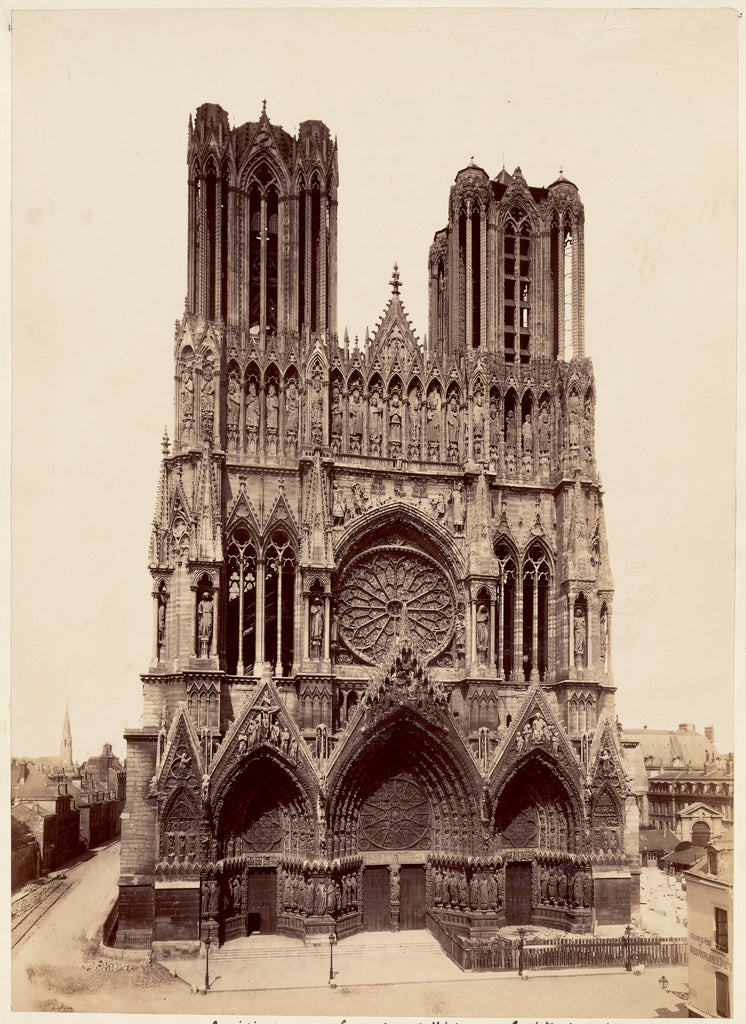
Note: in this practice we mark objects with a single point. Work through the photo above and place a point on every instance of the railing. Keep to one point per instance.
(498, 954)
(109, 935)
(134, 938)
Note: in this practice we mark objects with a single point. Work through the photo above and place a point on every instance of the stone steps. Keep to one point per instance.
(372, 943)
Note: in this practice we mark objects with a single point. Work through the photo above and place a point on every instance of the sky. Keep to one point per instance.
(639, 110)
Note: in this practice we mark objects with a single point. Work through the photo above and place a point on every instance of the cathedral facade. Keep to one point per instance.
(381, 690)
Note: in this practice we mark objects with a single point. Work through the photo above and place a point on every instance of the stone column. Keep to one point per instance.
(518, 671)
(468, 318)
(263, 265)
(259, 633)
(327, 625)
(501, 629)
(535, 628)
(492, 633)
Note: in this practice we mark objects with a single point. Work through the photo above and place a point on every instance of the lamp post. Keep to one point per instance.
(207, 961)
(628, 948)
(332, 940)
(521, 934)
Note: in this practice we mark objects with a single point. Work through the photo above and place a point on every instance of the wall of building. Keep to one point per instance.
(705, 960)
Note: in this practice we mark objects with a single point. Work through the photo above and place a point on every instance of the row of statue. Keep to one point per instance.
(264, 727)
(324, 896)
(561, 887)
(451, 888)
(417, 426)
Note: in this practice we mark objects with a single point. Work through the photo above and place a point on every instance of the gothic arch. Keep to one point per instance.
(426, 796)
(434, 539)
(537, 805)
(262, 807)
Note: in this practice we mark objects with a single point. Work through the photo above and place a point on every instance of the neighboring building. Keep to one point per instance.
(97, 792)
(690, 785)
(381, 682)
(101, 788)
(655, 843)
(54, 822)
(709, 898)
(25, 855)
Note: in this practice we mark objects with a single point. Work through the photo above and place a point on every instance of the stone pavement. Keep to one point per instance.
(274, 962)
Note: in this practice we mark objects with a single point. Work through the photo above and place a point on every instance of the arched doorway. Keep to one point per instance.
(535, 814)
(261, 815)
(700, 833)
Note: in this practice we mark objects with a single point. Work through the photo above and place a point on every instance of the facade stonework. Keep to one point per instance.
(381, 682)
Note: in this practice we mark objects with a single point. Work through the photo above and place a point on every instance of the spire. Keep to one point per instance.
(66, 747)
(317, 543)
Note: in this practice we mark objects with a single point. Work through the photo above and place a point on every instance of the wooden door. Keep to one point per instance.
(518, 894)
(412, 895)
(261, 905)
(376, 900)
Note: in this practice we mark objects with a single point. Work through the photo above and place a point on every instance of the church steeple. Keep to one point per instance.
(66, 746)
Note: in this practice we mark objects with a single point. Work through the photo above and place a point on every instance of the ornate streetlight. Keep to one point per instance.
(521, 934)
(332, 941)
(628, 948)
(207, 961)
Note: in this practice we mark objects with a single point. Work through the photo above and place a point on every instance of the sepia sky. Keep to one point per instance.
(637, 107)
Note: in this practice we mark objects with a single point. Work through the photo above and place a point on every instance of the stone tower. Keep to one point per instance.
(66, 746)
(381, 682)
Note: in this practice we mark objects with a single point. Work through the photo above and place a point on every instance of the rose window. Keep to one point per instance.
(395, 817)
(386, 595)
(266, 832)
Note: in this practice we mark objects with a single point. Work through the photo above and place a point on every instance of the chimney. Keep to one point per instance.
(686, 727)
(710, 733)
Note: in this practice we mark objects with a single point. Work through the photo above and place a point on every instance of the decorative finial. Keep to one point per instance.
(471, 161)
(395, 282)
(165, 442)
(264, 108)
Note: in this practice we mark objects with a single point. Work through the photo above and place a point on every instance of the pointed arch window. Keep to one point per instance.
(279, 602)
(536, 580)
(505, 619)
(241, 611)
(517, 297)
(263, 250)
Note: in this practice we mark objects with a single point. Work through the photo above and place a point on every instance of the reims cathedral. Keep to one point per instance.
(381, 690)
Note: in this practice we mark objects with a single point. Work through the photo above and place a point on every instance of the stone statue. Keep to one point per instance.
(439, 507)
(477, 420)
(319, 902)
(587, 888)
(527, 433)
(187, 398)
(161, 619)
(376, 420)
(511, 431)
(273, 406)
(561, 886)
(233, 403)
(552, 885)
(460, 628)
(577, 889)
(433, 423)
(252, 417)
(452, 427)
(207, 402)
(483, 630)
(356, 417)
(543, 885)
(204, 624)
(336, 413)
(236, 892)
(414, 418)
(316, 620)
(214, 898)
(395, 418)
(339, 507)
(579, 637)
(291, 408)
(604, 638)
(474, 893)
(317, 412)
(331, 897)
(205, 789)
(457, 501)
(310, 893)
(394, 885)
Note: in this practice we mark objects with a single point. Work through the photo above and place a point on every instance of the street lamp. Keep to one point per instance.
(332, 941)
(207, 961)
(663, 982)
(628, 945)
(521, 934)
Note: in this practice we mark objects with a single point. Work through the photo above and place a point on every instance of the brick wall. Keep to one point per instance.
(611, 898)
(139, 815)
(176, 914)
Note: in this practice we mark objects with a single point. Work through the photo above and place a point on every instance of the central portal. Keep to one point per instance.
(518, 893)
